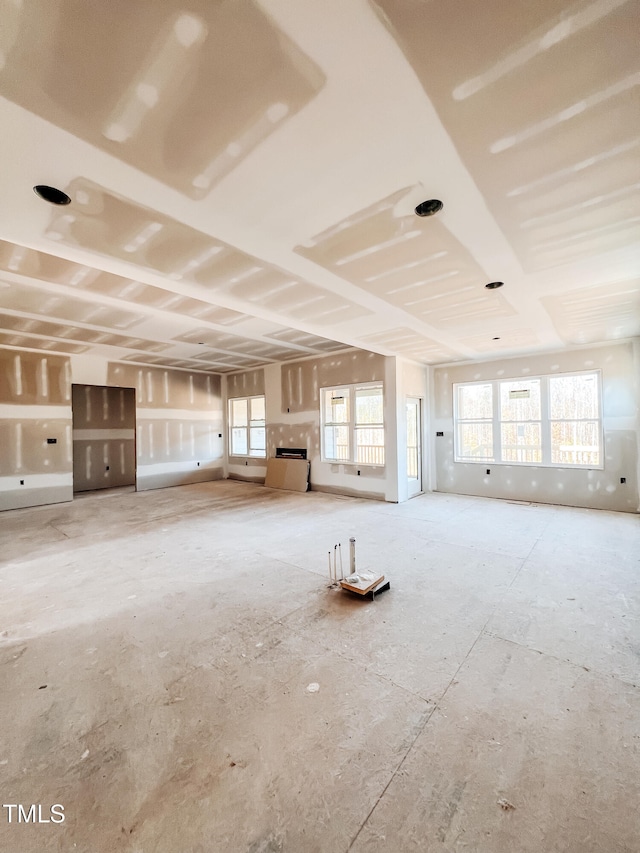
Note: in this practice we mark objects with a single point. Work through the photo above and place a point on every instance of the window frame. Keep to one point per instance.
(351, 424)
(258, 453)
(545, 421)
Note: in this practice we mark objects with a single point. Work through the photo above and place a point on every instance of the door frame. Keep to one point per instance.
(415, 484)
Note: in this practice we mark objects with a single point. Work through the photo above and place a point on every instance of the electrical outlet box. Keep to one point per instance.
(52, 441)
(439, 435)
(623, 479)
(488, 470)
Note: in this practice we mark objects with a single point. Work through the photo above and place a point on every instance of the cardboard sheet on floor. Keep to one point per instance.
(289, 474)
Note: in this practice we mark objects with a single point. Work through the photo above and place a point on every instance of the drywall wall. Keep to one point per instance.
(251, 383)
(35, 429)
(104, 432)
(292, 393)
(293, 417)
(179, 424)
(248, 384)
(599, 489)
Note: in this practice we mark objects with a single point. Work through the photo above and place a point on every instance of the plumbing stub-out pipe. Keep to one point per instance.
(352, 555)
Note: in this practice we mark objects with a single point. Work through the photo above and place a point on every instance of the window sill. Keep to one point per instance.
(350, 464)
(237, 456)
(553, 465)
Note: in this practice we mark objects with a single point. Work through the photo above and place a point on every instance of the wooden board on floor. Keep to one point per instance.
(364, 585)
(289, 474)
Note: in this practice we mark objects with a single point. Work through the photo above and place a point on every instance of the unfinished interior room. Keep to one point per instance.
(319, 426)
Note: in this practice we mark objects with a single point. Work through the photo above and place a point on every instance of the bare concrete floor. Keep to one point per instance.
(157, 649)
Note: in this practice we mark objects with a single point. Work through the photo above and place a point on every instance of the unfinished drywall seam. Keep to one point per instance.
(35, 429)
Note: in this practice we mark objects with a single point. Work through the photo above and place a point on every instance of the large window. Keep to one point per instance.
(542, 420)
(574, 414)
(247, 430)
(353, 424)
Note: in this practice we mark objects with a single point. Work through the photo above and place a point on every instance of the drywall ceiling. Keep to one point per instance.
(243, 176)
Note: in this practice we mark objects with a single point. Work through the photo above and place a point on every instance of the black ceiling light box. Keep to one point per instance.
(429, 207)
(51, 194)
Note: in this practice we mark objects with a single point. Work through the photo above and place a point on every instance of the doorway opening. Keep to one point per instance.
(414, 446)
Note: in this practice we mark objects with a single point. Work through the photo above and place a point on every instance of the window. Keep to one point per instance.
(474, 423)
(521, 422)
(574, 412)
(353, 424)
(247, 429)
(543, 420)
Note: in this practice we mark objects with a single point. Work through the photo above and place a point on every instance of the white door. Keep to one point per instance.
(414, 445)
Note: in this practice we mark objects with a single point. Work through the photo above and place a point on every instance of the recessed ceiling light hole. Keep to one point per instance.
(429, 207)
(51, 194)
(493, 285)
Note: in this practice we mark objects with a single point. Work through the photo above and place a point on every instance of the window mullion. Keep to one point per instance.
(353, 455)
(545, 426)
(497, 424)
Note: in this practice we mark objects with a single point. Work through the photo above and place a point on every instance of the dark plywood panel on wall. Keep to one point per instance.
(28, 378)
(102, 407)
(157, 388)
(103, 463)
(302, 380)
(104, 447)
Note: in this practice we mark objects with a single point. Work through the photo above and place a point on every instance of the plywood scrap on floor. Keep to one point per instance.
(365, 584)
(289, 474)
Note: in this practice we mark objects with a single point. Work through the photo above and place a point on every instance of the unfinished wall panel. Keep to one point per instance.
(302, 380)
(293, 417)
(179, 424)
(35, 429)
(177, 57)
(597, 488)
(104, 423)
(248, 384)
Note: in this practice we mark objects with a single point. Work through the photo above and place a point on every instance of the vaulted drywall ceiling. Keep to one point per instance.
(243, 177)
